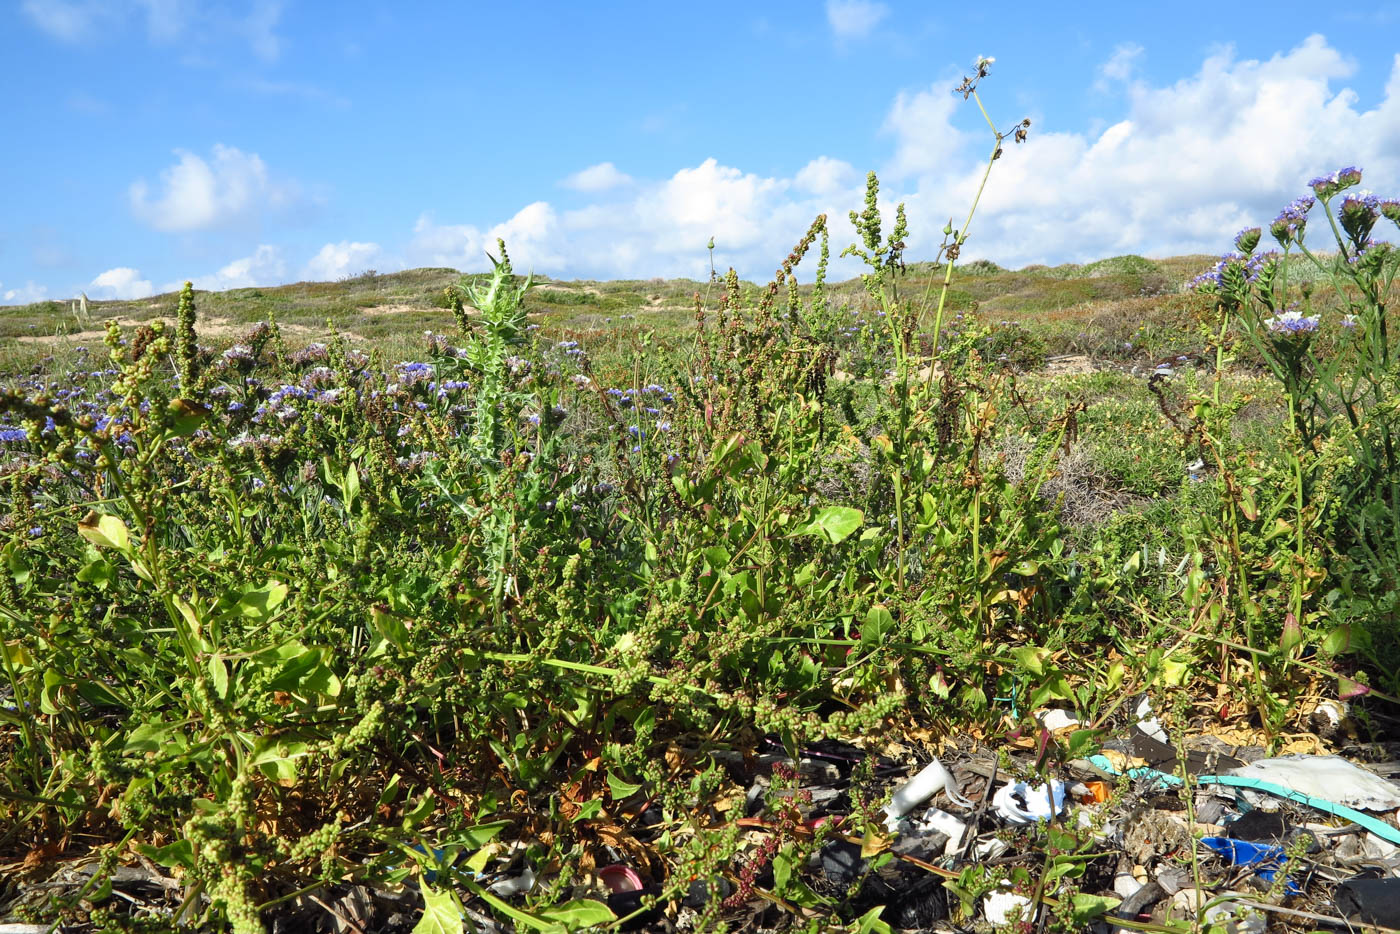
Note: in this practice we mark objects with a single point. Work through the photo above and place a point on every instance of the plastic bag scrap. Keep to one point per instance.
(1380, 828)
(932, 779)
(1331, 778)
(1020, 803)
(1370, 901)
(1266, 859)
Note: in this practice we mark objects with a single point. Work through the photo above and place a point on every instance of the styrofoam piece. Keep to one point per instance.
(930, 780)
(1330, 778)
(1022, 803)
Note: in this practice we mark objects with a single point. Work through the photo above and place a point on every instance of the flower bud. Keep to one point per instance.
(1246, 240)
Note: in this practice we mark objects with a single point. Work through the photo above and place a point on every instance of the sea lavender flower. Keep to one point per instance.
(1325, 186)
(1292, 322)
(1358, 214)
(1246, 240)
(1349, 322)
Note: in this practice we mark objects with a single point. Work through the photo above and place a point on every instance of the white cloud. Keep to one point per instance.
(233, 187)
(26, 294)
(65, 20)
(600, 177)
(825, 175)
(338, 260)
(854, 19)
(1186, 165)
(266, 266)
(1120, 65)
(123, 282)
(189, 22)
(260, 28)
(1178, 168)
(925, 138)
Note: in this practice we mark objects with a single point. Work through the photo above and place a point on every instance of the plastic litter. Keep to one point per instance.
(1266, 859)
(1329, 777)
(930, 780)
(620, 878)
(519, 885)
(935, 820)
(1021, 803)
(1000, 907)
(1231, 918)
(1370, 901)
(1055, 720)
(1380, 828)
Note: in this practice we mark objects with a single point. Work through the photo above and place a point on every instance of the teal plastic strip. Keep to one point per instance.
(1378, 827)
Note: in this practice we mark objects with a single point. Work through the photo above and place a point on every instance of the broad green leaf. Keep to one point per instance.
(352, 485)
(179, 854)
(442, 912)
(878, 624)
(259, 604)
(1032, 658)
(218, 676)
(580, 913)
(390, 627)
(1087, 907)
(105, 531)
(870, 923)
(833, 523)
(1337, 641)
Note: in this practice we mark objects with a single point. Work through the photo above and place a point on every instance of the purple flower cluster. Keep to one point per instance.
(1325, 186)
(1288, 226)
(1293, 322)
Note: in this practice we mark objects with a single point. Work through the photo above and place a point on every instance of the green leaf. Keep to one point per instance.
(390, 627)
(1086, 906)
(1338, 641)
(621, 789)
(782, 872)
(1082, 743)
(580, 913)
(833, 523)
(878, 623)
(352, 485)
(105, 531)
(870, 923)
(1032, 658)
(259, 604)
(442, 912)
(186, 416)
(177, 855)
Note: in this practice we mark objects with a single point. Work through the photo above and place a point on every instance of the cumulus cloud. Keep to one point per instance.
(1185, 166)
(1178, 169)
(265, 266)
(230, 188)
(123, 282)
(338, 260)
(600, 177)
(854, 19)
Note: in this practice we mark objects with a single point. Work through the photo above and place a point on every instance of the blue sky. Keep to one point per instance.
(249, 143)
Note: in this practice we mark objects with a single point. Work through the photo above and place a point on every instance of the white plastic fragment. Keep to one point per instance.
(1223, 914)
(1330, 778)
(1000, 907)
(519, 885)
(932, 779)
(946, 824)
(1022, 803)
(1057, 719)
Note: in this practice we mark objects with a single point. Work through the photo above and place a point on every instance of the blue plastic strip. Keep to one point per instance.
(1378, 827)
